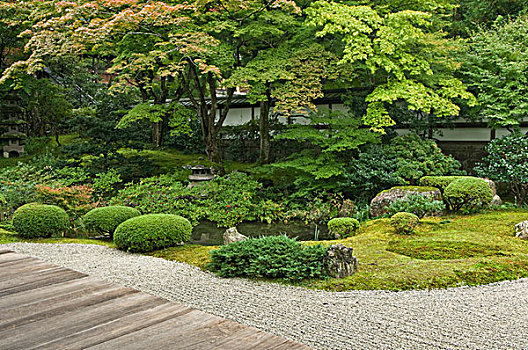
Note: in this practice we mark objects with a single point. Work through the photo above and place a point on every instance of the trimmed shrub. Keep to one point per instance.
(273, 256)
(151, 232)
(468, 193)
(40, 220)
(440, 182)
(404, 223)
(106, 219)
(417, 204)
(344, 227)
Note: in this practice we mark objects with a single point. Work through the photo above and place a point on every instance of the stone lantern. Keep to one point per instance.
(10, 113)
(200, 174)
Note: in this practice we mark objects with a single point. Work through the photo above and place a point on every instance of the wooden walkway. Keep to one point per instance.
(43, 306)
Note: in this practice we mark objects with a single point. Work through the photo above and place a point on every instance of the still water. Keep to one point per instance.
(207, 233)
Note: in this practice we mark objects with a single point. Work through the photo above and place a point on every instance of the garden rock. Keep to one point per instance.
(492, 187)
(380, 204)
(521, 230)
(496, 200)
(232, 235)
(339, 261)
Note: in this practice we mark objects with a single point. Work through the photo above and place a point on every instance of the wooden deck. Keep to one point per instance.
(43, 306)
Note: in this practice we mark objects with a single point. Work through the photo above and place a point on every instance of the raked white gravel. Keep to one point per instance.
(486, 317)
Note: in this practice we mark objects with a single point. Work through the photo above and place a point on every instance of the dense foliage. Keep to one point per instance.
(226, 200)
(468, 194)
(496, 68)
(272, 257)
(507, 162)
(343, 227)
(38, 220)
(404, 223)
(417, 204)
(151, 232)
(106, 219)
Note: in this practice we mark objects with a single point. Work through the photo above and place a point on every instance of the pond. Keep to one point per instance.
(207, 233)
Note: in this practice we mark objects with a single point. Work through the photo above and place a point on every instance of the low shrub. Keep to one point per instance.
(440, 182)
(273, 257)
(404, 223)
(40, 220)
(106, 219)
(151, 232)
(343, 227)
(417, 204)
(468, 193)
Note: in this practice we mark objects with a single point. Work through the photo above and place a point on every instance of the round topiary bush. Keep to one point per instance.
(40, 220)
(468, 193)
(343, 227)
(150, 232)
(404, 223)
(105, 220)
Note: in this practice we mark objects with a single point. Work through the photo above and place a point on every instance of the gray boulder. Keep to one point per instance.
(380, 204)
(339, 261)
(232, 235)
(521, 230)
(496, 201)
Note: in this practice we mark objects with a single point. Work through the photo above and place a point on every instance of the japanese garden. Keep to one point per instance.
(311, 148)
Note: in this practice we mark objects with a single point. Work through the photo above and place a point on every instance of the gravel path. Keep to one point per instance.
(486, 317)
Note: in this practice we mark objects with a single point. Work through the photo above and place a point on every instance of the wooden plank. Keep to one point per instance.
(5, 251)
(19, 268)
(45, 330)
(9, 257)
(50, 279)
(30, 296)
(32, 276)
(47, 307)
(165, 335)
(116, 328)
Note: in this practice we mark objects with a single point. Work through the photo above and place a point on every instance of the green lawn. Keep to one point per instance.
(444, 252)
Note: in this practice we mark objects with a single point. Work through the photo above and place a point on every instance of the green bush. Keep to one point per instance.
(344, 227)
(440, 182)
(468, 194)
(151, 232)
(506, 162)
(403, 161)
(418, 204)
(273, 256)
(40, 220)
(404, 223)
(105, 220)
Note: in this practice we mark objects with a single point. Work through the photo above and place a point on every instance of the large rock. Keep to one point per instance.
(492, 186)
(521, 230)
(380, 204)
(496, 201)
(232, 235)
(339, 261)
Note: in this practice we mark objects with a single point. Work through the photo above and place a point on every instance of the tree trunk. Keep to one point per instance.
(265, 145)
(157, 133)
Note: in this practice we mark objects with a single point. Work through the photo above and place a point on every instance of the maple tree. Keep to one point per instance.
(394, 53)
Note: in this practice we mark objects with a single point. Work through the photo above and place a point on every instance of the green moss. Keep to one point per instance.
(442, 250)
(196, 255)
